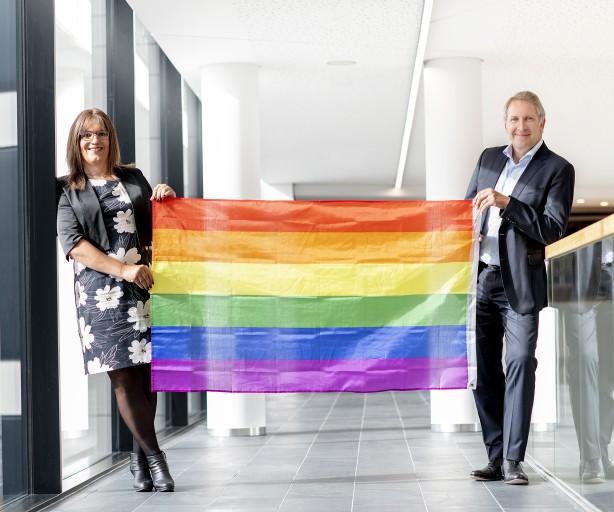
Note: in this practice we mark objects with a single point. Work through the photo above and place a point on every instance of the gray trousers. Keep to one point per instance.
(504, 400)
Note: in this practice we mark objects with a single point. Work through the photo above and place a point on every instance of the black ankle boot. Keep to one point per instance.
(162, 479)
(140, 471)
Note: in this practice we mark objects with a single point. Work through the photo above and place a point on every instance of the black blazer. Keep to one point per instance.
(79, 214)
(536, 216)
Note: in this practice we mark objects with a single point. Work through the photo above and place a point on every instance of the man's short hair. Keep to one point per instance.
(529, 96)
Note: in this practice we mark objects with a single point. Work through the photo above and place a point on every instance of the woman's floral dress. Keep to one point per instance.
(113, 314)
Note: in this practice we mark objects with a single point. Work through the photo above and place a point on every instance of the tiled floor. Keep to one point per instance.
(326, 453)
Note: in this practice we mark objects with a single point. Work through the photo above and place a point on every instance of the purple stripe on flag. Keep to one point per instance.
(273, 376)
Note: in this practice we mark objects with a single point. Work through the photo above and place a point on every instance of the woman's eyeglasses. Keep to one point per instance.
(90, 135)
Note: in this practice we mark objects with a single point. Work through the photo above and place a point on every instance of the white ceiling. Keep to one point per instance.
(337, 130)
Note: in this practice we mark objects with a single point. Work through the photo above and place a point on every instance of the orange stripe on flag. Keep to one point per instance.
(314, 247)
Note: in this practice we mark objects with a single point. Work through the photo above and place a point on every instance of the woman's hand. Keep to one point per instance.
(88, 255)
(138, 274)
(162, 191)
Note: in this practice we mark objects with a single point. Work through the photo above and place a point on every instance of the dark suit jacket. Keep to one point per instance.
(79, 214)
(536, 216)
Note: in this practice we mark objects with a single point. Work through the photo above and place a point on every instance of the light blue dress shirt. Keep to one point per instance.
(489, 246)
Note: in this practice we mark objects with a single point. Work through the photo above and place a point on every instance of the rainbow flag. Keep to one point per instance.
(301, 296)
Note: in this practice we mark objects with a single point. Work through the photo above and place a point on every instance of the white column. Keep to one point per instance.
(231, 131)
(453, 124)
(231, 170)
(453, 142)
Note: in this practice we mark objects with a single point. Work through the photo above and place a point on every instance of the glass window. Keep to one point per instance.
(147, 103)
(580, 289)
(193, 187)
(197, 406)
(192, 144)
(13, 395)
(80, 83)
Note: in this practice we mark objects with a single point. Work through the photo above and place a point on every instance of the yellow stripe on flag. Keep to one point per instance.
(310, 280)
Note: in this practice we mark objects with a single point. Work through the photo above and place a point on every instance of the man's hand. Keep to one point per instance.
(488, 197)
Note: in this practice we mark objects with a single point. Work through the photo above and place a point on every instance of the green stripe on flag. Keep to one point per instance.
(308, 312)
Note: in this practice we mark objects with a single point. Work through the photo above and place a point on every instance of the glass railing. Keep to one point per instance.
(580, 293)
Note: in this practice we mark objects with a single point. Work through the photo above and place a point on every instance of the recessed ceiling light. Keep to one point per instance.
(340, 63)
(580, 201)
(604, 203)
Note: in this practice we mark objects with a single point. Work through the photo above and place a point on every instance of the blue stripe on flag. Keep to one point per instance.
(243, 343)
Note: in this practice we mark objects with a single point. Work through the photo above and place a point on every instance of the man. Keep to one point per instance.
(525, 193)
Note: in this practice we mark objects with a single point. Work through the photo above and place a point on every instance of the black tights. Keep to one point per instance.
(137, 405)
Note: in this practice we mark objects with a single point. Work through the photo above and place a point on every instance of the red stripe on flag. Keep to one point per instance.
(306, 216)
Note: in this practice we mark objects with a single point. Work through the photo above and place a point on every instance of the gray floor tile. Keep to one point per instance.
(328, 453)
(316, 504)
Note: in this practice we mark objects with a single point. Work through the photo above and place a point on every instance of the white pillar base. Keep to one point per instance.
(236, 414)
(454, 410)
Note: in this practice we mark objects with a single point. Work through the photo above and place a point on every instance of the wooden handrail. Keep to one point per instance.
(586, 236)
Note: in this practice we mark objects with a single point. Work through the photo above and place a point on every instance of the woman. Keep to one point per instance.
(104, 225)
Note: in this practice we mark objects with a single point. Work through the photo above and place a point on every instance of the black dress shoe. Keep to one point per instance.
(608, 468)
(492, 471)
(513, 473)
(591, 472)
